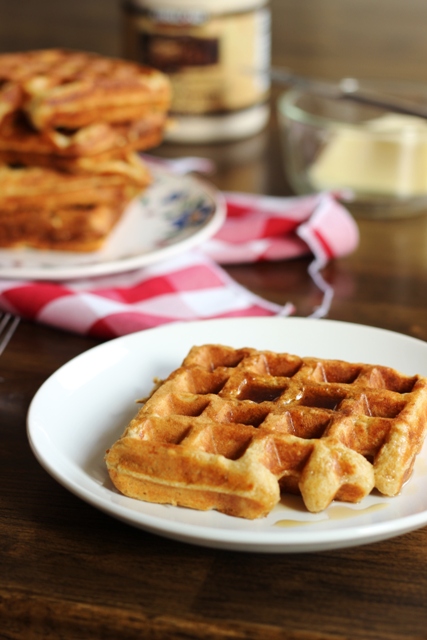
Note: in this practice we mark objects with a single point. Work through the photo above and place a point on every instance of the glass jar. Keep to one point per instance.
(216, 54)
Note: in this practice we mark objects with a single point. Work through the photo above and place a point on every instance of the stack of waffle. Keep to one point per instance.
(71, 124)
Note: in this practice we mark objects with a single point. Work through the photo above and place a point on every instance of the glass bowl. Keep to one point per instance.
(374, 159)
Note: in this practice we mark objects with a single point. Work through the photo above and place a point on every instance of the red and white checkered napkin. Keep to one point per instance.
(193, 286)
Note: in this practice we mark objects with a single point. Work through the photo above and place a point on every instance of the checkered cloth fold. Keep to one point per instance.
(193, 286)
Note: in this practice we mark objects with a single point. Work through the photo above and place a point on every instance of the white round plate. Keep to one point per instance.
(174, 214)
(83, 408)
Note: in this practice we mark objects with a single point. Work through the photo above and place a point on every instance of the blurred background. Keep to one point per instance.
(330, 39)
(327, 38)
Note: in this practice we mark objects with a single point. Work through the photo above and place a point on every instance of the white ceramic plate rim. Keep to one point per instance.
(323, 338)
(61, 265)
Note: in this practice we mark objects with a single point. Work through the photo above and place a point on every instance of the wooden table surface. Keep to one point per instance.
(69, 571)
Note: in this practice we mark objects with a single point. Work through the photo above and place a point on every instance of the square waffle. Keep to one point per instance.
(21, 143)
(72, 89)
(63, 103)
(46, 209)
(231, 429)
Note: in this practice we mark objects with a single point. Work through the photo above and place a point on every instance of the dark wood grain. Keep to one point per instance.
(69, 572)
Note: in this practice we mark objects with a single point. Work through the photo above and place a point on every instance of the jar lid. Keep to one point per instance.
(199, 6)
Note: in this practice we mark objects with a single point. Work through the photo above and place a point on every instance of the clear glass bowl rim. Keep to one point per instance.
(288, 109)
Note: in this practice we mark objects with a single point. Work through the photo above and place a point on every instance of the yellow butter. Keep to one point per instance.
(386, 155)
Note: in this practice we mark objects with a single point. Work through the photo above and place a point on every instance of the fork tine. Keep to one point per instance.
(8, 324)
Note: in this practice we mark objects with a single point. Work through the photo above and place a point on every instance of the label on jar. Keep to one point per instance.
(215, 62)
